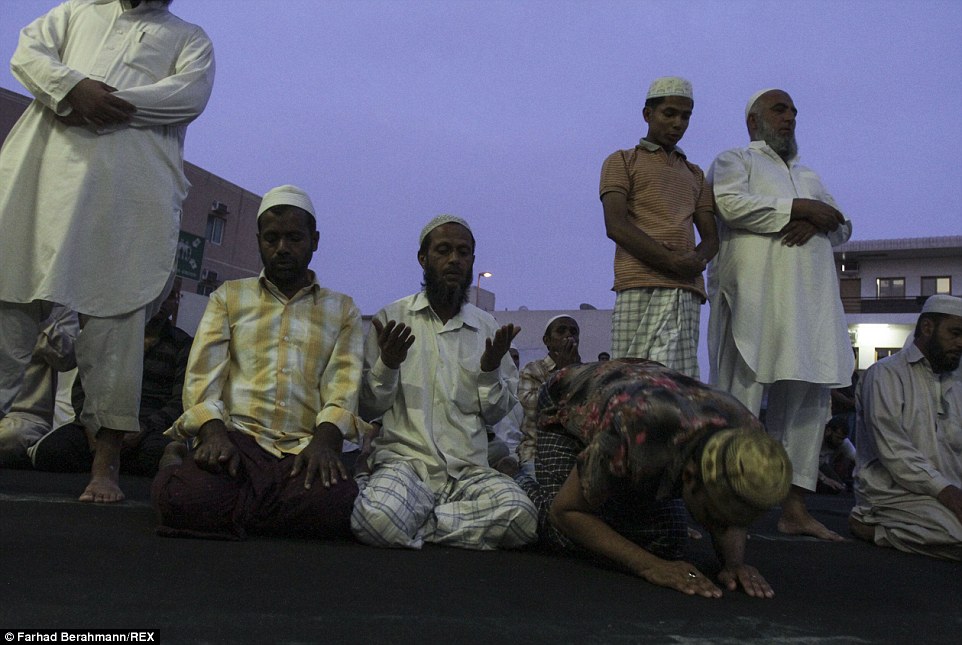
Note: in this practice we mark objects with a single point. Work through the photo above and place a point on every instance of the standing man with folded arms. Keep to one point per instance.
(91, 190)
(777, 327)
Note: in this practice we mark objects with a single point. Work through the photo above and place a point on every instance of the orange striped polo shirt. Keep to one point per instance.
(664, 191)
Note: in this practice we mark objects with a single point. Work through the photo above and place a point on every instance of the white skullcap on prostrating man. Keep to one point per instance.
(757, 95)
(670, 86)
(440, 220)
(943, 304)
(547, 325)
(286, 195)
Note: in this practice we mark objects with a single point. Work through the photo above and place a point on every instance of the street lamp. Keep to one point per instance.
(477, 291)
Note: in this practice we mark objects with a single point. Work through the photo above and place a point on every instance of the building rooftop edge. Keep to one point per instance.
(902, 243)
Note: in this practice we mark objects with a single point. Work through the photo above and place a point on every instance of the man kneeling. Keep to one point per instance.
(270, 391)
(620, 441)
(908, 483)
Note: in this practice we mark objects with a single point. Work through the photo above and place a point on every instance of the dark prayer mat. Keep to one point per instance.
(68, 565)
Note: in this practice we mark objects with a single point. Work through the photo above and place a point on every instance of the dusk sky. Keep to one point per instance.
(389, 112)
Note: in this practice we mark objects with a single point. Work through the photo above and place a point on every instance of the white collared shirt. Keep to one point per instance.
(436, 405)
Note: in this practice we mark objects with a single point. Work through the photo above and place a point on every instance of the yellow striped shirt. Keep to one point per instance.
(274, 368)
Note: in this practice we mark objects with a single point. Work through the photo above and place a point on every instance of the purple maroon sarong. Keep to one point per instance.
(262, 499)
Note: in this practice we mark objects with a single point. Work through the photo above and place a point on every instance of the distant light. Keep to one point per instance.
(477, 291)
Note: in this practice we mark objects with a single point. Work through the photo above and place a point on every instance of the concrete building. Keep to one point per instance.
(884, 283)
(218, 225)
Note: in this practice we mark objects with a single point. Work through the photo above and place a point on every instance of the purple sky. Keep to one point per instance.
(389, 112)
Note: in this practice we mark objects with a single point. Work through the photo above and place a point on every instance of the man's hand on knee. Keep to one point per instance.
(215, 452)
(321, 458)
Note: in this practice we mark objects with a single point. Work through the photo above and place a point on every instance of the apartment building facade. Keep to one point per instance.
(884, 283)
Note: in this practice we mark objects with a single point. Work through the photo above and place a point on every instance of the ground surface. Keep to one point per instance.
(68, 565)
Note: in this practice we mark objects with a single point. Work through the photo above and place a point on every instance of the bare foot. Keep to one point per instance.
(174, 454)
(104, 486)
(861, 530)
(807, 526)
(102, 490)
(796, 520)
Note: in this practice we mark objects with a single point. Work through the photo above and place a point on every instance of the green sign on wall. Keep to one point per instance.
(190, 255)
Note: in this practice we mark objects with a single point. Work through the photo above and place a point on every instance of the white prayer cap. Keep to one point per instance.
(438, 221)
(286, 195)
(757, 95)
(943, 304)
(547, 325)
(669, 86)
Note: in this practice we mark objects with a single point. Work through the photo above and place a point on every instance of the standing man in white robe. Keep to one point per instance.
(91, 190)
(777, 327)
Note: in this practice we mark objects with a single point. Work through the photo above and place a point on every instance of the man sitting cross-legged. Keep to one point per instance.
(437, 370)
(271, 389)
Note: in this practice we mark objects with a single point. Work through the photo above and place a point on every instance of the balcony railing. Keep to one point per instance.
(857, 305)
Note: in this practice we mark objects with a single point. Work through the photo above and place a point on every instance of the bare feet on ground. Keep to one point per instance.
(104, 486)
(796, 520)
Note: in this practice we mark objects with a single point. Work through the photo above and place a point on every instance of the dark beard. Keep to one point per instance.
(440, 295)
(784, 146)
(938, 359)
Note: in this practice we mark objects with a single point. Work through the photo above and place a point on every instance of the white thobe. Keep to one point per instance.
(90, 217)
(909, 436)
(436, 406)
(779, 303)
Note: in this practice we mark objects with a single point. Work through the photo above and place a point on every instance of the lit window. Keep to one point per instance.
(890, 287)
(936, 284)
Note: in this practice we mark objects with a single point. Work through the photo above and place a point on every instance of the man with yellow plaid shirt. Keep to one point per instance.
(270, 392)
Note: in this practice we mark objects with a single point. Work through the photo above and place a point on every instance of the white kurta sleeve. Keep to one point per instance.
(497, 391)
(181, 97)
(738, 205)
(36, 62)
(379, 383)
(881, 398)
